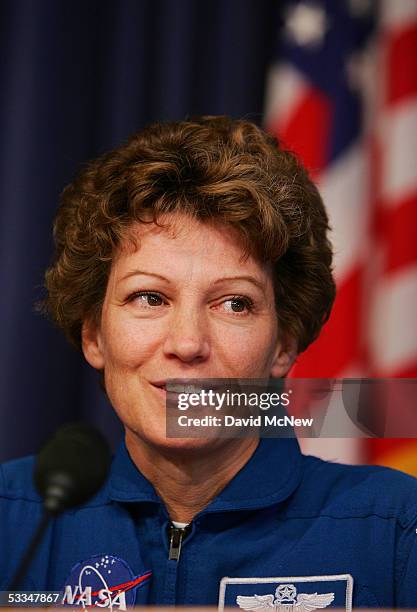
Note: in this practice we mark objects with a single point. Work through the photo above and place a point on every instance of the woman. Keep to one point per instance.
(199, 250)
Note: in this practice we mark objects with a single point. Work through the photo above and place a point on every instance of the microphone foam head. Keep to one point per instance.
(72, 466)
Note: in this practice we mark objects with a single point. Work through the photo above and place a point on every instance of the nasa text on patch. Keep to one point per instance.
(104, 581)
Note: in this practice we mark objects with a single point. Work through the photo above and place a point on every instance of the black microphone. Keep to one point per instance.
(71, 467)
(69, 470)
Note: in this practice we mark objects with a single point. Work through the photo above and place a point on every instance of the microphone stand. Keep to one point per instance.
(36, 540)
(54, 503)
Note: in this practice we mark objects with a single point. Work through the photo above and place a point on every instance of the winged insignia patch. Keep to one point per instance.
(285, 600)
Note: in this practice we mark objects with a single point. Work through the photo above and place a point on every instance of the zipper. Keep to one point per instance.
(176, 536)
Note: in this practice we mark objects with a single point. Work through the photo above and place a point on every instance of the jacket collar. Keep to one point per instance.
(270, 476)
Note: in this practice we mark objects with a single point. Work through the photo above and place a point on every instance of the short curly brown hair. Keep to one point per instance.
(215, 169)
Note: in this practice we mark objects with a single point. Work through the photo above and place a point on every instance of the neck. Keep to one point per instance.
(187, 480)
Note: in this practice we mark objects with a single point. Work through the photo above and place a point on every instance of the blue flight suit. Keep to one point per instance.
(287, 527)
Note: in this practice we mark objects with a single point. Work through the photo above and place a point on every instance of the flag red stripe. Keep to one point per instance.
(401, 64)
(308, 129)
(396, 228)
(339, 342)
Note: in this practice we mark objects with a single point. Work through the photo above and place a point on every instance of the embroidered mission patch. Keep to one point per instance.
(287, 594)
(104, 581)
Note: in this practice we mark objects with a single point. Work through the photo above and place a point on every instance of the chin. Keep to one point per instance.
(182, 446)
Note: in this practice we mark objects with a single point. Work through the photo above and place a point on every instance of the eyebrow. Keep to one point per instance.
(225, 279)
(249, 279)
(142, 273)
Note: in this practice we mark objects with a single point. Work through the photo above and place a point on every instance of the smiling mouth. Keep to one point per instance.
(174, 391)
(171, 392)
(169, 398)
(178, 388)
(160, 387)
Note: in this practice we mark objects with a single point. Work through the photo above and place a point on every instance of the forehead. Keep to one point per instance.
(186, 243)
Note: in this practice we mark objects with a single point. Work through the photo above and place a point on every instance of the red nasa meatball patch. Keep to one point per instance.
(104, 581)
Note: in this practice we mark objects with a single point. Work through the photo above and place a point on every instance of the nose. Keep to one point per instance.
(187, 337)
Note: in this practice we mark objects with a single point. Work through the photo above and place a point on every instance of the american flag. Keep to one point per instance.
(343, 95)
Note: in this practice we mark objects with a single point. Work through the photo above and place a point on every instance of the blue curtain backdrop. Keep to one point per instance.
(77, 78)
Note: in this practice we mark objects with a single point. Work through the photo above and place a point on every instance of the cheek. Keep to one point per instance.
(251, 352)
(129, 344)
(257, 358)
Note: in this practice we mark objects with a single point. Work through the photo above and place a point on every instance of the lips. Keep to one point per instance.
(161, 389)
(179, 387)
(169, 398)
(159, 384)
(172, 394)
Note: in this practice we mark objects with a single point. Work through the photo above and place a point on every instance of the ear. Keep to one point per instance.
(284, 357)
(92, 344)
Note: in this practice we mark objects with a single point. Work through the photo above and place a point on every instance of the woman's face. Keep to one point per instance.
(183, 305)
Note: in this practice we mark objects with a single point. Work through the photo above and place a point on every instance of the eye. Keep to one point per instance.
(238, 304)
(147, 299)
